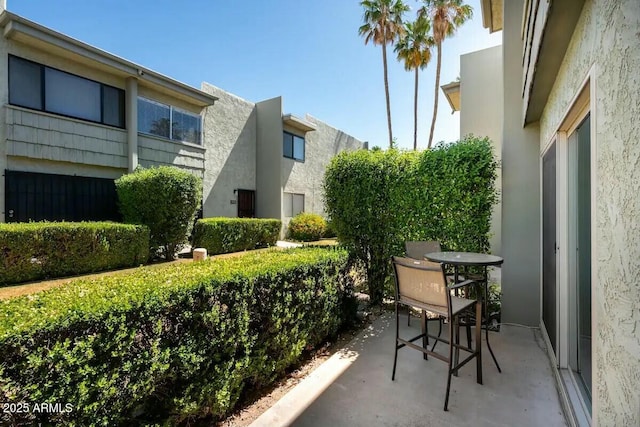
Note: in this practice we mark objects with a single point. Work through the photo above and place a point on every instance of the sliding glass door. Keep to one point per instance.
(549, 291)
(580, 257)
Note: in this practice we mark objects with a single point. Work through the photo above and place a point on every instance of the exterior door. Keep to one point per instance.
(246, 204)
(38, 196)
(549, 288)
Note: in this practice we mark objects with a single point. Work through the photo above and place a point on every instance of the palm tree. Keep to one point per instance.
(446, 16)
(414, 49)
(382, 25)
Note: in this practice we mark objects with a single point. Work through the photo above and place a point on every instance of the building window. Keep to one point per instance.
(163, 120)
(293, 146)
(293, 204)
(35, 86)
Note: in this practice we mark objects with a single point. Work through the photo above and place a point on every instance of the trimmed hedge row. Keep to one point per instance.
(37, 250)
(223, 235)
(171, 344)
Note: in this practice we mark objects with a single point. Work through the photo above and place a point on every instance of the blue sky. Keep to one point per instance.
(307, 51)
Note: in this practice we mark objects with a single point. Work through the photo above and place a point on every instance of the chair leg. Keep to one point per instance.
(440, 320)
(408, 316)
(456, 324)
(450, 370)
(468, 330)
(424, 325)
(395, 357)
(479, 342)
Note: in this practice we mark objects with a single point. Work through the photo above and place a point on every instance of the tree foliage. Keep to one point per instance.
(414, 50)
(382, 26)
(377, 200)
(445, 17)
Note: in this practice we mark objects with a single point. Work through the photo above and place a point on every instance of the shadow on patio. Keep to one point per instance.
(354, 387)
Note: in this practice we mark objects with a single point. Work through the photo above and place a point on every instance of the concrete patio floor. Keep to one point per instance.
(354, 387)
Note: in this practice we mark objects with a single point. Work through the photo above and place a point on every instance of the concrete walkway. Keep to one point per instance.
(354, 387)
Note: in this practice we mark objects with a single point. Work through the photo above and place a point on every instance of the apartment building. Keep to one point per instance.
(74, 118)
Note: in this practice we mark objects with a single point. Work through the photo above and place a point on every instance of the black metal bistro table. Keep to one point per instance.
(457, 259)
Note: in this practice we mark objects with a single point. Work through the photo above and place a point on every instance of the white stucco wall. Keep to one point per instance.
(607, 37)
(481, 114)
(269, 158)
(230, 161)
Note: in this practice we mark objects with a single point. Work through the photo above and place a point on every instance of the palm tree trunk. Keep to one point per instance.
(415, 114)
(435, 100)
(386, 92)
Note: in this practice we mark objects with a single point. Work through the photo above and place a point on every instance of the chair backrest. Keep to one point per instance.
(420, 281)
(418, 249)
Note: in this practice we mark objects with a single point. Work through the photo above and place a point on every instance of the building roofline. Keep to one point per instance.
(491, 14)
(19, 28)
(298, 123)
(449, 90)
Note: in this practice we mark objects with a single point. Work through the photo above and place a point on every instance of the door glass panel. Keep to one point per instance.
(583, 273)
(580, 257)
(549, 244)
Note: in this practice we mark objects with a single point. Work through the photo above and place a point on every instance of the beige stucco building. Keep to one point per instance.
(569, 98)
(74, 118)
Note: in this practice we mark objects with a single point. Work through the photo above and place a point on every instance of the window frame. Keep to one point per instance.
(293, 195)
(43, 82)
(171, 108)
(293, 144)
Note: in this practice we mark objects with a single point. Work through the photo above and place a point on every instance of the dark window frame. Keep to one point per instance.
(293, 144)
(43, 94)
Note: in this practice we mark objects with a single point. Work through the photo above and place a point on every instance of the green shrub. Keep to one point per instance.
(329, 231)
(377, 200)
(38, 250)
(166, 200)
(170, 344)
(223, 235)
(307, 227)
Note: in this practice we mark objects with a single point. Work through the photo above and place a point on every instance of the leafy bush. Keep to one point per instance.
(223, 235)
(37, 250)
(377, 200)
(329, 231)
(166, 200)
(169, 344)
(307, 227)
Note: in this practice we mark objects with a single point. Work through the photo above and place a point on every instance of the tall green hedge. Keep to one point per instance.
(224, 235)
(38, 250)
(377, 200)
(170, 344)
(165, 199)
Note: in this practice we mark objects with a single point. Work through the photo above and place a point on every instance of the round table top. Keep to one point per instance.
(464, 258)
